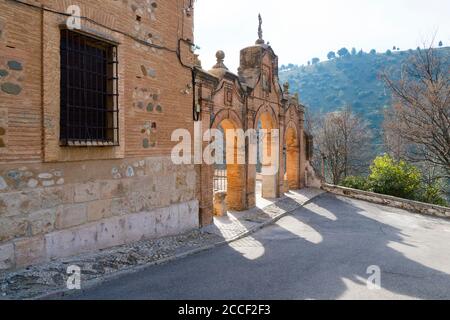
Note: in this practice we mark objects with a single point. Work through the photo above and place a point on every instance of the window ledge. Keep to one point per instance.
(75, 143)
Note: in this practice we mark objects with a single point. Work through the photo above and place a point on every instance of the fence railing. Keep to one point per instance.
(220, 180)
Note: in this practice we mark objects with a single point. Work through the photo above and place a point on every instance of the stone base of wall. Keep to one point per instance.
(172, 220)
(409, 205)
(51, 210)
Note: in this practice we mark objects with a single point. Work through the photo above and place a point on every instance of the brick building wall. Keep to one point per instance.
(58, 201)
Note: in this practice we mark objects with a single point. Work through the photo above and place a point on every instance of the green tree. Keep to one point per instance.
(394, 178)
(343, 52)
(331, 55)
(373, 51)
(440, 44)
(389, 53)
(315, 60)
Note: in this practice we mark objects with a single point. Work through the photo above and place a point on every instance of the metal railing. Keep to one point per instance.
(220, 180)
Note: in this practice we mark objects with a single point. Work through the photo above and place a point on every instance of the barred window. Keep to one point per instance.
(89, 91)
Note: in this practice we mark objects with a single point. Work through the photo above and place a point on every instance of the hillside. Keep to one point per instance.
(350, 80)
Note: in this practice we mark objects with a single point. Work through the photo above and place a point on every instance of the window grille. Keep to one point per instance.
(89, 91)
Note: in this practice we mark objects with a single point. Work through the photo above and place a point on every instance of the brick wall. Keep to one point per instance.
(242, 101)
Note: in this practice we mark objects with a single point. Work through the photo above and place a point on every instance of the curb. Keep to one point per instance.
(95, 282)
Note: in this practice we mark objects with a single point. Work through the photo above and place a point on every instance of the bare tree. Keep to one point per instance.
(343, 139)
(418, 124)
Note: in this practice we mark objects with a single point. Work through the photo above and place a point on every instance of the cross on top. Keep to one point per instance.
(260, 32)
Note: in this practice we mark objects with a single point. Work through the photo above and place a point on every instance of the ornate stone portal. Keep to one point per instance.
(252, 99)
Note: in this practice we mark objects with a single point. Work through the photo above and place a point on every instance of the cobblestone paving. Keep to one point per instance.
(237, 223)
(50, 277)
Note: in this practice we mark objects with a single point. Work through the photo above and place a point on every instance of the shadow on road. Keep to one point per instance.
(321, 252)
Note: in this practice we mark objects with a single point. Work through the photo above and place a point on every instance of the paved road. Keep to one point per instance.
(321, 252)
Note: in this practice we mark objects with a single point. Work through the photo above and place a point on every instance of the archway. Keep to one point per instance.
(292, 158)
(230, 176)
(269, 154)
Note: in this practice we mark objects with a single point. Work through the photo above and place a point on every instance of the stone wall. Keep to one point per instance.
(61, 210)
(409, 205)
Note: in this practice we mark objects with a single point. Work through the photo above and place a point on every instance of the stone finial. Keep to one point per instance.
(220, 55)
(197, 61)
(286, 87)
(260, 32)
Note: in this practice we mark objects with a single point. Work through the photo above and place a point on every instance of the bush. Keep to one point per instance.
(433, 194)
(398, 179)
(395, 178)
(353, 182)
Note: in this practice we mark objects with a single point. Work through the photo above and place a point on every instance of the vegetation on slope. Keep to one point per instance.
(349, 78)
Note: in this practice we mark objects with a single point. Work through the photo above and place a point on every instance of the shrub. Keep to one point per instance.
(356, 182)
(433, 194)
(395, 178)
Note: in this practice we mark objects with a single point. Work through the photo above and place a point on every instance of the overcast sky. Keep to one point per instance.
(299, 30)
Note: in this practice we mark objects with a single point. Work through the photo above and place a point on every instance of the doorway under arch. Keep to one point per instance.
(232, 172)
(268, 155)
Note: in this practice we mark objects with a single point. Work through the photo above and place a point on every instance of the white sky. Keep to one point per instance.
(299, 30)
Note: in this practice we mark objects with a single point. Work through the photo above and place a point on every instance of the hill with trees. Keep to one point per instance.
(349, 78)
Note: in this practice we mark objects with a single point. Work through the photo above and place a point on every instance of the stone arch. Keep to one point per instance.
(266, 111)
(227, 114)
(235, 172)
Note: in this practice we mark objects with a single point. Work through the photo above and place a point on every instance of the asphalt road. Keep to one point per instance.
(323, 251)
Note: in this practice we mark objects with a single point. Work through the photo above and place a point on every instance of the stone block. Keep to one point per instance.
(86, 192)
(42, 221)
(167, 220)
(12, 204)
(71, 242)
(7, 259)
(269, 186)
(140, 226)
(154, 166)
(189, 216)
(220, 204)
(29, 251)
(110, 189)
(52, 197)
(111, 232)
(98, 210)
(13, 227)
(69, 216)
(120, 206)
